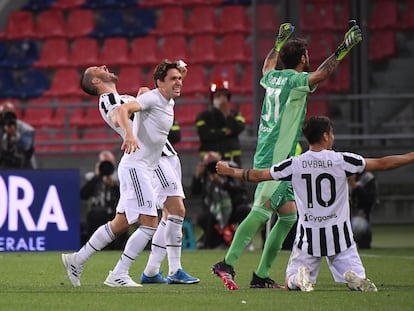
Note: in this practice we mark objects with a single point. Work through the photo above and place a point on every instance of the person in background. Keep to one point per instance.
(16, 140)
(225, 203)
(219, 126)
(364, 198)
(101, 190)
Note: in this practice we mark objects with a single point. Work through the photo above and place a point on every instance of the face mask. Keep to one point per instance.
(216, 103)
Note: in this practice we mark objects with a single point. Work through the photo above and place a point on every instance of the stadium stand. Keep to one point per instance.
(144, 51)
(50, 23)
(202, 20)
(20, 54)
(84, 52)
(114, 52)
(171, 21)
(54, 54)
(79, 23)
(384, 15)
(203, 49)
(233, 19)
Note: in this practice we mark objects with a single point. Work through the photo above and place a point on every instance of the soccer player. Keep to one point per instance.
(167, 240)
(283, 112)
(144, 123)
(320, 184)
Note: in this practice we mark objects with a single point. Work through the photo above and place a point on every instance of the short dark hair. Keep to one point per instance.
(292, 51)
(86, 83)
(314, 128)
(160, 72)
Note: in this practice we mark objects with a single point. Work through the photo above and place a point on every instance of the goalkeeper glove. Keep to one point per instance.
(352, 37)
(285, 31)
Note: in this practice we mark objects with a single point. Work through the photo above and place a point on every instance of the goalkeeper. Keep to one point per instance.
(283, 112)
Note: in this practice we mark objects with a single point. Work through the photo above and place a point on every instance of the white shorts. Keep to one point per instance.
(137, 192)
(338, 264)
(167, 179)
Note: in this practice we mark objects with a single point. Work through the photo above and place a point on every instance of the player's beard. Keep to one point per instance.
(109, 77)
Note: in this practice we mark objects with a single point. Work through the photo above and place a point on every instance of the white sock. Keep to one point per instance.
(158, 251)
(173, 242)
(134, 246)
(291, 283)
(99, 239)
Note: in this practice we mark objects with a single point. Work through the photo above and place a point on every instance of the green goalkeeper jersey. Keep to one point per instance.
(283, 112)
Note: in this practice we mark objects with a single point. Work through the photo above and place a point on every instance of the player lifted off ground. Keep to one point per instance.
(320, 183)
(283, 112)
(145, 124)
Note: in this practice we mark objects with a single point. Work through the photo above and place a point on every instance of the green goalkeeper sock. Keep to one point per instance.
(274, 243)
(244, 234)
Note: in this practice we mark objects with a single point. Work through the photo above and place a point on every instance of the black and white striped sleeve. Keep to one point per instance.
(353, 163)
(282, 170)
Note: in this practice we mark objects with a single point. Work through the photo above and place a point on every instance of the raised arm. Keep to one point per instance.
(352, 37)
(251, 175)
(270, 62)
(120, 117)
(389, 162)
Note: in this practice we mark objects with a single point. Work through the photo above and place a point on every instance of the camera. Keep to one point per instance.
(211, 167)
(106, 168)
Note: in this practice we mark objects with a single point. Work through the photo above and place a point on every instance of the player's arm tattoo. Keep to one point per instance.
(329, 65)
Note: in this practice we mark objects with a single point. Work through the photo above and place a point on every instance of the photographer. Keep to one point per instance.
(225, 203)
(16, 140)
(102, 192)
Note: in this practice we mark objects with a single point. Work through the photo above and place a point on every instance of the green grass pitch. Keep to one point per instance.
(37, 281)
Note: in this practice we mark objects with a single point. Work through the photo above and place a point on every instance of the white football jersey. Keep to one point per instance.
(320, 184)
(150, 126)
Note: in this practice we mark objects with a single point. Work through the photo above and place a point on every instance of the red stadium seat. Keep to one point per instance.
(144, 51)
(383, 45)
(170, 21)
(384, 15)
(174, 47)
(114, 52)
(20, 25)
(196, 81)
(80, 23)
(246, 83)
(321, 46)
(50, 23)
(55, 53)
(96, 140)
(233, 19)
(203, 49)
(233, 49)
(317, 108)
(317, 15)
(186, 114)
(85, 52)
(246, 110)
(129, 80)
(65, 83)
(38, 117)
(264, 45)
(202, 20)
(407, 18)
(267, 18)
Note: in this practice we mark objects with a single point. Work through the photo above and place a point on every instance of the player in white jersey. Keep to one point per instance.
(152, 116)
(167, 240)
(319, 181)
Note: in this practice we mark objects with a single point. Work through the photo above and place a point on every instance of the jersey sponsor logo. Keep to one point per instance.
(318, 219)
(265, 129)
(279, 81)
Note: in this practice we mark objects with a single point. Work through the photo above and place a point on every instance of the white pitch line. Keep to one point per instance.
(387, 256)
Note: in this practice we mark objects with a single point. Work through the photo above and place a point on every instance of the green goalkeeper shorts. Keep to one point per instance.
(278, 192)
